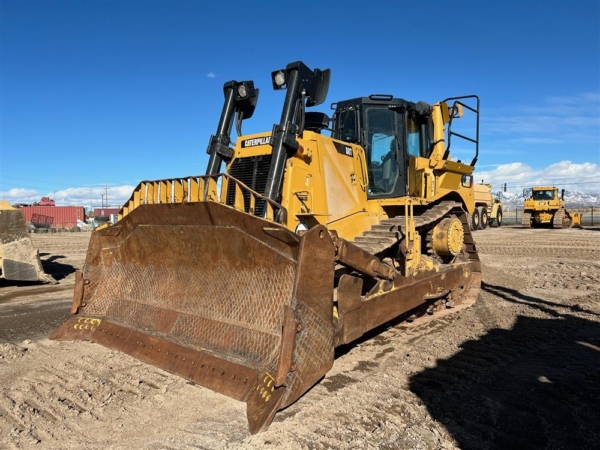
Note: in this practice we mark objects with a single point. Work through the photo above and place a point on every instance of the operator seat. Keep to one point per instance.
(389, 168)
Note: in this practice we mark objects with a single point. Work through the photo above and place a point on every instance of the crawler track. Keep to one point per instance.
(387, 233)
(526, 220)
(561, 219)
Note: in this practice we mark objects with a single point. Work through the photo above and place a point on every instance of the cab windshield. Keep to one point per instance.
(543, 195)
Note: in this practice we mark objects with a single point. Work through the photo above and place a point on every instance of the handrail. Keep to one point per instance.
(451, 133)
(204, 188)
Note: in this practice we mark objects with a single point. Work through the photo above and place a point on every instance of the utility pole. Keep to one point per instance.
(106, 195)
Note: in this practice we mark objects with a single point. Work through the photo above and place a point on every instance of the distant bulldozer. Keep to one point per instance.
(544, 207)
(19, 260)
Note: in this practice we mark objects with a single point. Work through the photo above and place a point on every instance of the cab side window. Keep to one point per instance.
(417, 138)
(348, 131)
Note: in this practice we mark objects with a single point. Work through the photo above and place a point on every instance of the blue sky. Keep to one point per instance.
(96, 92)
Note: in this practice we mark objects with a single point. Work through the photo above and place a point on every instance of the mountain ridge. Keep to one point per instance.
(572, 198)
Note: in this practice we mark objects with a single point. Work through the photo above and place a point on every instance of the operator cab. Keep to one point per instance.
(391, 130)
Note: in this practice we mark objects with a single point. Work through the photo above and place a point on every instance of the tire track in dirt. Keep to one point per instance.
(56, 401)
(518, 398)
(579, 253)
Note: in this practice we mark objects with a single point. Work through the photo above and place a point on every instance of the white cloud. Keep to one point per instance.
(211, 75)
(18, 193)
(583, 177)
(79, 196)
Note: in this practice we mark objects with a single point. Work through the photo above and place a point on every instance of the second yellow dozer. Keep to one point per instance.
(246, 281)
(543, 206)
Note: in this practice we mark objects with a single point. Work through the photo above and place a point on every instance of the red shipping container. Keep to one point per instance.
(105, 212)
(64, 216)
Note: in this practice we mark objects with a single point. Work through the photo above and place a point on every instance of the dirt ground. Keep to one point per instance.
(519, 369)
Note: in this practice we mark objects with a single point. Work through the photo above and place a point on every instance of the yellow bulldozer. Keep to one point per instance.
(19, 260)
(245, 281)
(544, 207)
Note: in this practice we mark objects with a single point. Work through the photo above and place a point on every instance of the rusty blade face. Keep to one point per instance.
(225, 299)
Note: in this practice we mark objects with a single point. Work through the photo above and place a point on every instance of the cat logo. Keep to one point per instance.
(264, 140)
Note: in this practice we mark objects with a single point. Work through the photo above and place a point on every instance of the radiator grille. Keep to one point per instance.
(253, 172)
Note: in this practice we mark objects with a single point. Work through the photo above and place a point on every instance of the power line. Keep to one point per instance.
(535, 183)
(560, 178)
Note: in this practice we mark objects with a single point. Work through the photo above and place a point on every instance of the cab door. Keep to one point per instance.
(386, 153)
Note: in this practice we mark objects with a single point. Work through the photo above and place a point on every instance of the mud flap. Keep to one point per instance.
(225, 299)
(19, 260)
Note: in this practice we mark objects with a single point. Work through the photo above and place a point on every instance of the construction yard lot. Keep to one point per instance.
(519, 369)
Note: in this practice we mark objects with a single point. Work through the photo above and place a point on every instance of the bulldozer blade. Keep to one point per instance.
(19, 260)
(227, 300)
